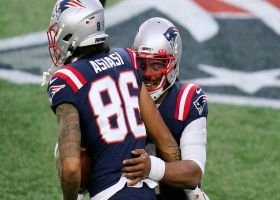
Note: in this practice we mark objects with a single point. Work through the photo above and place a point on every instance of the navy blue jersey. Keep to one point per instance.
(184, 103)
(105, 89)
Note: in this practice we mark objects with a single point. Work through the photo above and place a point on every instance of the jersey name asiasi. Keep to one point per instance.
(105, 90)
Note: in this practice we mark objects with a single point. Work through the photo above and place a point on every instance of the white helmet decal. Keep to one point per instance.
(171, 34)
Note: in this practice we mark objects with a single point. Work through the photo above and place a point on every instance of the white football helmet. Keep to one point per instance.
(159, 40)
(74, 23)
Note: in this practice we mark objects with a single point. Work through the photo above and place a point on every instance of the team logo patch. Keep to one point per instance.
(171, 35)
(65, 4)
(53, 90)
(198, 90)
(200, 103)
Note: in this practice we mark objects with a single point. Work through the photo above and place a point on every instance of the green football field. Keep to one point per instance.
(242, 151)
(242, 160)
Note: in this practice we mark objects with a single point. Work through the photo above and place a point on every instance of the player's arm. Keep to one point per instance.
(141, 166)
(188, 172)
(157, 129)
(185, 173)
(69, 141)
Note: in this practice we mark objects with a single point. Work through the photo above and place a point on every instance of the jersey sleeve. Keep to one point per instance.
(193, 142)
(191, 103)
(134, 64)
(199, 106)
(59, 92)
(192, 111)
(63, 86)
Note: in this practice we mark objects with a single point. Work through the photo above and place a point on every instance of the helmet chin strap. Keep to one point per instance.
(70, 50)
(47, 75)
(157, 93)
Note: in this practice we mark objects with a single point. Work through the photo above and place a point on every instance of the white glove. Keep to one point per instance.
(47, 75)
(196, 194)
(80, 196)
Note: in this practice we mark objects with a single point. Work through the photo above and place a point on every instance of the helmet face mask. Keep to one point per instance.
(158, 40)
(53, 48)
(74, 23)
(155, 67)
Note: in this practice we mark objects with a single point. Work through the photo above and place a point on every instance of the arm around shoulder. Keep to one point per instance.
(157, 129)
(188, 172)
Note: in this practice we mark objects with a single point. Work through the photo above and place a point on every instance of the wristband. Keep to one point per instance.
(157, 168)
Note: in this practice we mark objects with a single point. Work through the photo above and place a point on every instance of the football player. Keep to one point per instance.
(182, 105)
(97, 95)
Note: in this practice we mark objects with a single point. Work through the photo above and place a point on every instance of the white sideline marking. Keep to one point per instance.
(269, 14)
(243, 101)
(266, 12)
(202, 27)
(19, 77)
(184, 10)
(31, 39)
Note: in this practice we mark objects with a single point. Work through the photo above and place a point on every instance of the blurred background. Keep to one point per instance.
(230, 48)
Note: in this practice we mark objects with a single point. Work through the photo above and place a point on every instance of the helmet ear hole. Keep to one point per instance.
(67, 37)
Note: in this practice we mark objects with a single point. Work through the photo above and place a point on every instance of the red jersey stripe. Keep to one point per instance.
(188, 102)
(76, 73)
(72, 76)
(184, 101)
(67, 79)
(176, 116)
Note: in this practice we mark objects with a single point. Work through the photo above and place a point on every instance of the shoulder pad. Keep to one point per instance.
(133, 58)
(71, 76)
(184, 101)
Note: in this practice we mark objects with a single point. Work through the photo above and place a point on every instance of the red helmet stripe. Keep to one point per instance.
(76, 4)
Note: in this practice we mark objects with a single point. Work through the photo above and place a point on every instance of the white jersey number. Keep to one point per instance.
(107, 99)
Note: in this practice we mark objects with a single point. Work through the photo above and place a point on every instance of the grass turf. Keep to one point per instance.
(242, 161)
(28, 135)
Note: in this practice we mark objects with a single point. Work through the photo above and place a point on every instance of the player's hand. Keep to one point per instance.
(137, 168)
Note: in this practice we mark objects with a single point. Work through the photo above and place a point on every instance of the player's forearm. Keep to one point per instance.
(69, 141)
(184, 174)
(70, 190)
(70, 178)
(157, 129)
(168, 148)
(162, 138)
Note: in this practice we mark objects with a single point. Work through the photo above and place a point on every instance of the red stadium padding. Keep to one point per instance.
(218, 6)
